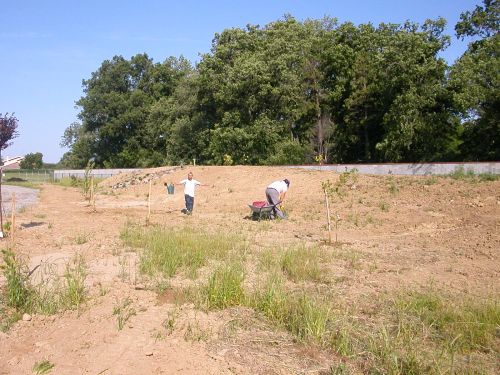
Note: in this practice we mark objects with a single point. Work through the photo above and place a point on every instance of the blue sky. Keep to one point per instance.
(48, 46)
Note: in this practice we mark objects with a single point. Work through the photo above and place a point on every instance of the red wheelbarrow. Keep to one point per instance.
(262, 210)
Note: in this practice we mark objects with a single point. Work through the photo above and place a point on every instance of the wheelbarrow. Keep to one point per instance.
(262, 210)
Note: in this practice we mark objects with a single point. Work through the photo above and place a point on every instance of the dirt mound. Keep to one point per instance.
(124, 180)
(16, 179)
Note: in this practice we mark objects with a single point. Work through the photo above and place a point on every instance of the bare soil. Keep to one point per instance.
(402, 233)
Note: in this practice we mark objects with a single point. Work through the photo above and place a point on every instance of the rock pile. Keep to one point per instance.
(138, 178)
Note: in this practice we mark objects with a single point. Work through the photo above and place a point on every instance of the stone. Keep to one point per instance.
(26, 317)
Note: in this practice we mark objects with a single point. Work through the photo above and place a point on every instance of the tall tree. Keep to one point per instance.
(115, 128)
(397, 102)
(475, 82)
(8, 131)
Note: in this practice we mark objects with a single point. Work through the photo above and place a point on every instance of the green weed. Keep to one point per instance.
(133, 235)
(431, 180)
(488, 177)
(195, 333)
(469, 325)
(18, 290)
(81, 238)
(384, 206)
(43, 367)
(74, 293)
(123, 311)
(392, 185)
(51, 294)
(267, 260)
(305, 317)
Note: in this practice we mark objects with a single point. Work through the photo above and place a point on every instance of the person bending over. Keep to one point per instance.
(275, 194)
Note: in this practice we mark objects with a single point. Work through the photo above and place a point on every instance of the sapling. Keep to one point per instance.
(340, 190)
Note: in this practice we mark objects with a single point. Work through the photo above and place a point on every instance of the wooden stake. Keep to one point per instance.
(13, 220)
(328, 216)
(92, 193)
(149, 204)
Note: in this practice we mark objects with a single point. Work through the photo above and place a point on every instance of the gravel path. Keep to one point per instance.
(24, 197)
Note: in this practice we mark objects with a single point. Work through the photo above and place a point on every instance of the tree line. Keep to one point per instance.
(294, 92)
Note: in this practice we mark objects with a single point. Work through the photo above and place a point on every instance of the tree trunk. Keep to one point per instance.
(1, 208)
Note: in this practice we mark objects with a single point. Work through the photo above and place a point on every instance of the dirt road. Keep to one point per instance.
(24, 197)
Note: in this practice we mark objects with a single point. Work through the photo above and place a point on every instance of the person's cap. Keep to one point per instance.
(287, 181)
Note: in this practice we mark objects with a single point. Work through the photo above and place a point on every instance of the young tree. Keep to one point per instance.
(8, 131)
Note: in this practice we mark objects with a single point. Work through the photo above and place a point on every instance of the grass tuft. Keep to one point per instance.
(167, 250)
(51, 294)
(43, 367)
(225, 287)
(302, 264)
(18, 291)
(123, 311)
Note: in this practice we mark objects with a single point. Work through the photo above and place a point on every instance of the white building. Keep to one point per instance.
(12, 162)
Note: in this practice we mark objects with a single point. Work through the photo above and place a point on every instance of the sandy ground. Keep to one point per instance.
(402, 233)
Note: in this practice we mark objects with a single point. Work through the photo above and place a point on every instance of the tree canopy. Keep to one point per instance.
(294, 92)
(32, 161)
(8, 130)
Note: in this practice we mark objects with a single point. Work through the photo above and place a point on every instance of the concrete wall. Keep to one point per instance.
(98, 173)
(416, 169)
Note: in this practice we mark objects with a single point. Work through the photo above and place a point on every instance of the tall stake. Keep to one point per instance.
(92, 193)
(328, 216)
(13, 220)
(1, 208)
(149, 204)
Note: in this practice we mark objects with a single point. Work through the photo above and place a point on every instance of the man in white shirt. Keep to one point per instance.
(189, 187)
(275, 194)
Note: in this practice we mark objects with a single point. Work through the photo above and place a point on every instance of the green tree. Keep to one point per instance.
(397, 106)
(116, 129)
(32, 161)
(475, 82)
